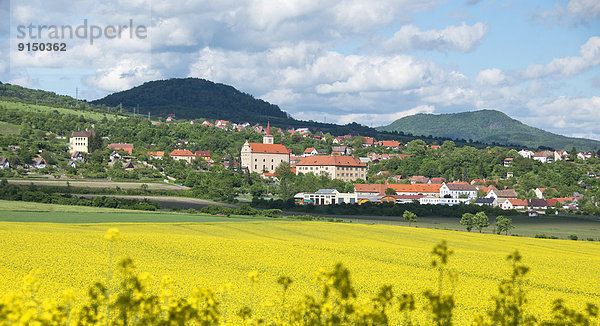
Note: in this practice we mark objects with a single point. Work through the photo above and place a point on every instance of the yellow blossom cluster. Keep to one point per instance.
(244, 262)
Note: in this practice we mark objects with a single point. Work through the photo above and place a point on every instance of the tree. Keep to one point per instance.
(468, 221)
(257, 190)
(504, 224)
(416, 147)
(95, 143)
(284, 171)
(481, 221)
(390, 191)
(409, 216)
(573, 154)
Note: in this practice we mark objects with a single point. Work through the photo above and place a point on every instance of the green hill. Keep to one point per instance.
(192, 98)
(35, 96)
(487, 126)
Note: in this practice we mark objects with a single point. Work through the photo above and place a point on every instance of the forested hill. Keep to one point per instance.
(193, 98)
(36, 96)
(487, 126)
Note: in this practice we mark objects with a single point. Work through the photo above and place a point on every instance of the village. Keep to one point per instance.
(264, 158)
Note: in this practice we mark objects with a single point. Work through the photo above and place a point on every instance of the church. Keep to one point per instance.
(265, 157)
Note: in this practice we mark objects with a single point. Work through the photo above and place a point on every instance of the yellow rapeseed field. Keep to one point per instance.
(222, 255)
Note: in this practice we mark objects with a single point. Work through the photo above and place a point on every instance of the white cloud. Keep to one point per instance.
(281, 96)
(369, 73)
(490, 77)
(576, 12)
(125, 74)
(378, 119)
(585, 9)
(461, 38)
(567, 66)
(566, 114)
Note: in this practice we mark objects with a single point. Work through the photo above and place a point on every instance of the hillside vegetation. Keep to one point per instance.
(192, 98)
(488, 126)
(22, 94)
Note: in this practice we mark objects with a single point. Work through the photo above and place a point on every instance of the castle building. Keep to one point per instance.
(265, 156)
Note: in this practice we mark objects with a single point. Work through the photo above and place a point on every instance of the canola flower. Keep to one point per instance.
(221, 256)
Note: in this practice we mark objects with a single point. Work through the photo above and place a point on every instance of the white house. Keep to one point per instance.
(328, 197)
(456, 190)
(443, 201)
(513, 203)
(310, 151)
(526, 154)
(4, 164)
(544, 156)
(539, 192)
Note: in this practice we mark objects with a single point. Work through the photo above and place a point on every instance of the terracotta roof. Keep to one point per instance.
(418, 188)
(553, 201)
(126, 147)
(388, 143)
(268, 128)
(268, 148)
(518, 202)
(202, 153)
(375, 188)
(157, 153)
(419, 178)
(308, 150)
(331, 161)
(438, 180)
(83, 133)
(181, 152)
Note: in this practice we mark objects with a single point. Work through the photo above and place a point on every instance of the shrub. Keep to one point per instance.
(573, 237)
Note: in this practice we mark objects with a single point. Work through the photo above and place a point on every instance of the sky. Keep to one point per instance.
(370, 62)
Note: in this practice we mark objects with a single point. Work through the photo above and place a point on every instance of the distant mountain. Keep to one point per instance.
(192, 98)
(487, 126)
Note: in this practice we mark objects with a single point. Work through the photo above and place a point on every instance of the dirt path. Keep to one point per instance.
(98, 184)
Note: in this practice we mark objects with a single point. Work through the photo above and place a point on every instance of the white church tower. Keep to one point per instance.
(268, 138)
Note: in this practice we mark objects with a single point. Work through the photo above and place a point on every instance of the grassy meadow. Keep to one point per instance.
(219, 253)
(9, 128)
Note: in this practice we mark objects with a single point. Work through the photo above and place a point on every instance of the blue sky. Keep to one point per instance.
(341, 61)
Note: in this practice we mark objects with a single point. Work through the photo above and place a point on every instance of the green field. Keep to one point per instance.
(11, 211)
(42, 108)
(9, 128)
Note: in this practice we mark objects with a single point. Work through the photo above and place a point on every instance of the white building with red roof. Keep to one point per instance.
(265, 156)
(182, 154)
(341, 167)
